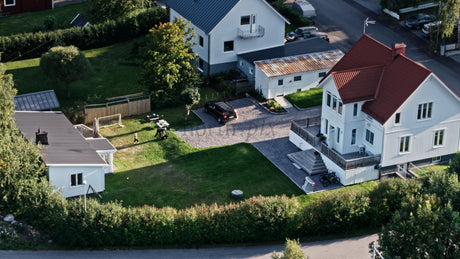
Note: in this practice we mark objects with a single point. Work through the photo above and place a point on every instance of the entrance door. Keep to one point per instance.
(331, 137)
(402, 169)
(253, 27)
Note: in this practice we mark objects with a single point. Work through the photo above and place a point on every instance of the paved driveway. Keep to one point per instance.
(266, 131)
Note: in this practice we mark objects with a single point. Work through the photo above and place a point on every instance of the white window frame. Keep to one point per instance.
(439, 137)
(338, 135)
(370, 136)
(424, 111)
(246, 17)
(334, 103)
(353, 136)
(280, 82)
(355, 110)
(329, 99)
(436, 159)
(297, 78)
(339, 110)
(6, 5)
(397, 118)
(404, 144)
(201, 41)
(327, 127)
(77, 182)
(233, 46)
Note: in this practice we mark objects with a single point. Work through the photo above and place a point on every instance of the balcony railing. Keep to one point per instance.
(299, 128)
(259, 31)
(347, 164)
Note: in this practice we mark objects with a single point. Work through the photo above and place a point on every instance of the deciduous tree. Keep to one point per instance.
(190, 97)
(169, 64)
(292, 251)
(65, 64)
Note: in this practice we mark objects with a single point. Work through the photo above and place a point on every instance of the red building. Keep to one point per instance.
(20, 6)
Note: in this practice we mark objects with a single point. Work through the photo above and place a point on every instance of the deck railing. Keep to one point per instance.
(347, 164)
(259, 31)
(298, 128)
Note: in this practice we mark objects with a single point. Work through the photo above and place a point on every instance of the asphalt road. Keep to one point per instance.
(352, 248)
(343, 21)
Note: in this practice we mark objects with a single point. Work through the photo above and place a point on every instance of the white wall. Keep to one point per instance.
(348, 177)
(59, 177)
(201, 51)
(271, 88)
(445, 115)
(226, 30)
(247, 68)
(334, 118)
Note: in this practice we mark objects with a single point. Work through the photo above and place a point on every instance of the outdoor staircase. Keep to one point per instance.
(308, 161)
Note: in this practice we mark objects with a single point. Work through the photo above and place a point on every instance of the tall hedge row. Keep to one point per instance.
(256, 219)
(32, 45)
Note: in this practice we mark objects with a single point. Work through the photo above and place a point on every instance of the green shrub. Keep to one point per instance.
(32, 45)
(273, 105)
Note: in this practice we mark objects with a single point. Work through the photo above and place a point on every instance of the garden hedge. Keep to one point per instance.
(32, 45)
(257, 219)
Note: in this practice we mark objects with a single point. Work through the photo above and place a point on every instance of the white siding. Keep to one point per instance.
(309, 80)
(201, 51)
(226, 30)
(335, 119)
(347, 177)
(445, 115)
(59, 177)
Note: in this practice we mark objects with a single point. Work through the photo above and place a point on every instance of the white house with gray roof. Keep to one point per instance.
(225, 28)
(70, 159)
(285, 75)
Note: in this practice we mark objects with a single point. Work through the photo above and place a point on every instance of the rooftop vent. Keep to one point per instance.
(41, 137)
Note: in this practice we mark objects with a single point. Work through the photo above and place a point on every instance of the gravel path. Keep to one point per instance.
(266, 131)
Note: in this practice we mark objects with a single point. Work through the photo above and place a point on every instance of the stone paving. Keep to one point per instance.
(266, 131)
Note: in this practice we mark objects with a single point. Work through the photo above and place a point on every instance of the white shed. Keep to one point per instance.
(282, 76)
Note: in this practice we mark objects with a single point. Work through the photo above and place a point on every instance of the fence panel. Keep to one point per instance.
(125, 107)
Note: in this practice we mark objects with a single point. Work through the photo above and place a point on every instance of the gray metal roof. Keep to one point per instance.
(39, 101)
(66, 145)
(300, 63)
(205, 14)
(294, 48)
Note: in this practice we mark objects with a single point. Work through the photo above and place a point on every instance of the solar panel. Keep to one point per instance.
(39, 101)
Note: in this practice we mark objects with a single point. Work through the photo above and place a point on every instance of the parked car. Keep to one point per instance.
(300, 32)
(318, 34)
(428, 27)
(304, 8)
(417, 21)
(221, 110)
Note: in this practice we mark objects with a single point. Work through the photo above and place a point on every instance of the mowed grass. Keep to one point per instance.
(172, 173)
(306, 99)
(116, 73)
(25, 22)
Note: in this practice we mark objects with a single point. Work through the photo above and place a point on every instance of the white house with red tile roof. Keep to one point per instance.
(382, 112)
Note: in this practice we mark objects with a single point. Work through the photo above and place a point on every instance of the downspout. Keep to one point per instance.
(209, 54)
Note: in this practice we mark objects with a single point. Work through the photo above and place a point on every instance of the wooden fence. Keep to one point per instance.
(126, 106)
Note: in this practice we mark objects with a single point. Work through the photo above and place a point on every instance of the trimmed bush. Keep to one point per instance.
(32, 45)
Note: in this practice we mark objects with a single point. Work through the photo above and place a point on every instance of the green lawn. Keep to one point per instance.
(115, 73)
(305, 99)
(429, 170)
(172, 173)
(25, 22)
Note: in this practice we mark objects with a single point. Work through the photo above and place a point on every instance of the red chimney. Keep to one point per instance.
(398, 49)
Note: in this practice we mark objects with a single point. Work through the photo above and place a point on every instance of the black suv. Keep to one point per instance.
(222, 111)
